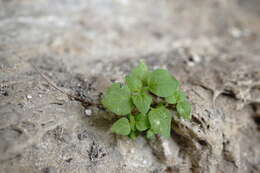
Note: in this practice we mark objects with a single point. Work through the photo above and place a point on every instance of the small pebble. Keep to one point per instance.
(144, 162)
(88, 112)
(196, 58)
(236, 33)
(29, 96)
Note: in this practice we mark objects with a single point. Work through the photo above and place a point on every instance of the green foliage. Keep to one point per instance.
(133, 83)
(148, 99)
(161, 83)
(150, 134)
(118, 99)
(132, 122)
(184, 109)
(176, 97)
(140, 71)
(121, 126)
(160, 120)
(142, 122)
(142, 101)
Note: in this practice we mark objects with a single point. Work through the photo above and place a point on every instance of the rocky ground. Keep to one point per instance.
(82, 46)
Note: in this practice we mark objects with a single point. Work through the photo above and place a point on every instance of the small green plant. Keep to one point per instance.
(145, 102)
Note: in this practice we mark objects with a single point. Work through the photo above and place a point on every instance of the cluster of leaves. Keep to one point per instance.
(145, 102)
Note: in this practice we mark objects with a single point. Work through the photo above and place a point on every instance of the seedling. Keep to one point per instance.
(145, 102)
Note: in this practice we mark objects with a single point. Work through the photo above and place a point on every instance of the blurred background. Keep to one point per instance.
(84, 30)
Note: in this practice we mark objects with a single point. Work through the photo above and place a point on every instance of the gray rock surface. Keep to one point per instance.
(82, 46)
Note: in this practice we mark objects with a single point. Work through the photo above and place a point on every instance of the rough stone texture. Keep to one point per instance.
(82, 46)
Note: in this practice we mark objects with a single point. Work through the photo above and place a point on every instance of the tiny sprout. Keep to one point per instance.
(137, 102)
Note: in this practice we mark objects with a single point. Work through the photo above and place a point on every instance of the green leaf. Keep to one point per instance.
(184, 109)
(117, 99)
(161, 83)
(160, 120)
(172, 99)
(121, 127)
(142, 122)
(176, 97)
(140, 71)
(181, 96)
(146, 78)
(150, 134)
(142, 101)
(134, 134)
(133, 83)
(132, 122)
